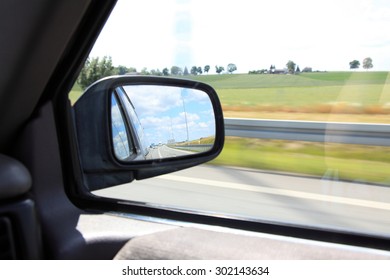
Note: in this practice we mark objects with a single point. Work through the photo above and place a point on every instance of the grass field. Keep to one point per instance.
(315, 93)
(331, 96)
(315, 79)
(75, 93)
(315, 96)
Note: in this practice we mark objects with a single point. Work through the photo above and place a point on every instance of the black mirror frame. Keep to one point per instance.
(93, 129)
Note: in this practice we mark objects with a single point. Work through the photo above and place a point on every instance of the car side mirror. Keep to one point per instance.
(137, 127)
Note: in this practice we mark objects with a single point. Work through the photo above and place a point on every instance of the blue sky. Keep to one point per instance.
(163, 116)
(253, 34)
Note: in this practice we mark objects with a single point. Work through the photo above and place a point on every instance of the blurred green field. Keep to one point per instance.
(359, 163)
(299, 96)
(75, 93)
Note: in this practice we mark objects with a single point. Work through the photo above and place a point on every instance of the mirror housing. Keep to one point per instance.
(101, 166)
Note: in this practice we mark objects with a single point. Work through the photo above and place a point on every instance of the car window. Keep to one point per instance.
(134, 120)
(122, 146)
(305, 91)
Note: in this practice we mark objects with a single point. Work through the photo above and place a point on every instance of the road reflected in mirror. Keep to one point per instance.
(161, 121)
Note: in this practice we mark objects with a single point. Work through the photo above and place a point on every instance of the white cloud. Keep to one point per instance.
(151, 100)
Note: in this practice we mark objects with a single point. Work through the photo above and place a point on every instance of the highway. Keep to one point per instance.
(164, 151)
(253, 194)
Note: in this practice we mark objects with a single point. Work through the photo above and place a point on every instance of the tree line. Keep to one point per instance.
(97, 68)
(293, 68)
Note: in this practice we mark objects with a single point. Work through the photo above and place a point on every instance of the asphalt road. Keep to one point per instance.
(165, 152)
(324, 202)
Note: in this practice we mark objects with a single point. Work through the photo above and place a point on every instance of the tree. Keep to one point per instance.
(176, 70)
(291, 66)
(105, 67)
(132, 70)
(194, 70)
(199, 70)
(94, 69)
(145, 71)
(219, 69)
(156, 72)
(165, 72)
(354, 64)
(367, 63)
(231, 67)
(207, 69)
(121, 70)
(298, 70)
(185, 73)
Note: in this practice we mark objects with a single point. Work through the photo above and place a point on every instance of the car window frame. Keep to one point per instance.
(71, 166)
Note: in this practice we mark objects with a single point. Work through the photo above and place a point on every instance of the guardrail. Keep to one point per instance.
(348, 133)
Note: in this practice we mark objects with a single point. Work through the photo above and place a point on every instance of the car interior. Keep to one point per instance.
(44, 211)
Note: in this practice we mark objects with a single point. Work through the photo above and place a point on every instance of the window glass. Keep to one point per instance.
(120, 138)
(312, 76)
(134, 120)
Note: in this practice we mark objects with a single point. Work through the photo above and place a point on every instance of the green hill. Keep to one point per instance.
(355, 88)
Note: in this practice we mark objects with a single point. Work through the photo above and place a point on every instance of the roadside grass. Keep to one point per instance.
(75, 93)
(201, 141)
(349, 162)
(302, 116)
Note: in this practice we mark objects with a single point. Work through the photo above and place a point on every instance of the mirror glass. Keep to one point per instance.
(160, 122)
